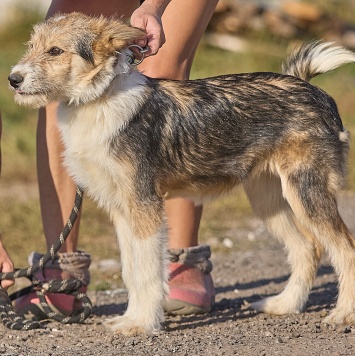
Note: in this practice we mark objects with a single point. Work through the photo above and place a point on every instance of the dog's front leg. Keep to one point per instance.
(145, 274)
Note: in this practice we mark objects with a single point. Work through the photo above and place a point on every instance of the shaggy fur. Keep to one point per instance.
(132, 141)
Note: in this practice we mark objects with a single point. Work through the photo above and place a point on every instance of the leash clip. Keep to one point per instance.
(131, 57)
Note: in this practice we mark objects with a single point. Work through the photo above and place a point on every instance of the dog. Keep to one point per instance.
(131, 142)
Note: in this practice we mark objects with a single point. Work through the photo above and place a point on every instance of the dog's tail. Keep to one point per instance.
(309, 60)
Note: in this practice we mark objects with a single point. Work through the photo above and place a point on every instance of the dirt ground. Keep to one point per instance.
(242, 275)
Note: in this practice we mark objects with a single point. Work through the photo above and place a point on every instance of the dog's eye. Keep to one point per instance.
(55, 51)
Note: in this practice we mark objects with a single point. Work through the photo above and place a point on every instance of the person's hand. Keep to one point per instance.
(148, 18)
(6, 265)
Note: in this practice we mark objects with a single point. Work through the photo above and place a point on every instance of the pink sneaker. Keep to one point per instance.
(191, 289)
(67, 265)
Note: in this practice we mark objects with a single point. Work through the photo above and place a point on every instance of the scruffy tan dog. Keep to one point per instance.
(132, 141)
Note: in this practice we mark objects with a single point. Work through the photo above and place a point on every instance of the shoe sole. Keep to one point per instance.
(178, 307)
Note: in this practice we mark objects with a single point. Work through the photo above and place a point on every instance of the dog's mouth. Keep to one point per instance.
(22, 92)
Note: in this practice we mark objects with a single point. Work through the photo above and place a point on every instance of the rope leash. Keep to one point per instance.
(13, 321)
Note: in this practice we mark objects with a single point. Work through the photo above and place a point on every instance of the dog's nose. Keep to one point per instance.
(15, 79)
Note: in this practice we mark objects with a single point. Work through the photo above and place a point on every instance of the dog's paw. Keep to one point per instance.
(126, 326)
(340, 316)
(277, 305)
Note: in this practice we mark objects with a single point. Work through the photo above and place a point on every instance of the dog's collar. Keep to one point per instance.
(131, 56)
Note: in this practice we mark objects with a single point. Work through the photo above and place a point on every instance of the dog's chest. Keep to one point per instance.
(88, 156)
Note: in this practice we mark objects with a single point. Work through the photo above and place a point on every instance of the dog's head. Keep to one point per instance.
(72, 57)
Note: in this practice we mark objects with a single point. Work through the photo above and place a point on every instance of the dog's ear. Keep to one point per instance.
(114, 36)
(84, 48)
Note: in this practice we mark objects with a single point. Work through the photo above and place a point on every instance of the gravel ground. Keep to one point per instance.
(242, 275)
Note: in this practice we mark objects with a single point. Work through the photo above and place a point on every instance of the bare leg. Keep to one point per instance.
(56, 188)
(183, 221)
(184, 22)
(174, 61)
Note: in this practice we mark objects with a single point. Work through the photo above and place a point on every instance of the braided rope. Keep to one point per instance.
(13, 321)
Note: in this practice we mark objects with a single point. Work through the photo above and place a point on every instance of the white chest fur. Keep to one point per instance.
(87, 133)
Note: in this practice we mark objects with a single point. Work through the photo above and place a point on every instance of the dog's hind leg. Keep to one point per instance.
(311, 194)
(145, 273)
(265, 194)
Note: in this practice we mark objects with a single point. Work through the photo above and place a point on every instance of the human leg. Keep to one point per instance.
(191, 286)
(56, 188)
(183, 23)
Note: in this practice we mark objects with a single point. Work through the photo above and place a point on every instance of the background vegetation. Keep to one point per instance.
(20, 221)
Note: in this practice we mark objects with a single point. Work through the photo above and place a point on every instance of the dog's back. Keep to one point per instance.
(204, 136)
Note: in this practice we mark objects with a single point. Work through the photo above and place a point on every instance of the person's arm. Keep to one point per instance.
(6, 265)
(148, 18)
